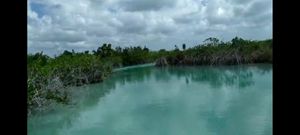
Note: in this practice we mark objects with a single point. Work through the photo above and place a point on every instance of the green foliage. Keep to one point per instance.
(38, 59)
(48, 77)
(46, 81)
(215, 52)
(211, 41)
(135, 55)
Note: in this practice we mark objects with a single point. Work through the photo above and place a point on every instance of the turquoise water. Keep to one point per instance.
(204, 100)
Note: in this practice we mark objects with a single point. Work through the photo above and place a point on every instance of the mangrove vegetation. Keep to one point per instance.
(48, 77)
(215, 52)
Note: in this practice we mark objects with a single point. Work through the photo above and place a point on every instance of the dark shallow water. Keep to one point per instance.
(204, 100)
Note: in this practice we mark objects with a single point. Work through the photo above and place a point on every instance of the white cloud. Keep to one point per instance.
(56, 25)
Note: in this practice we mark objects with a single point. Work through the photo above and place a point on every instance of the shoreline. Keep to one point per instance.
(48, 76)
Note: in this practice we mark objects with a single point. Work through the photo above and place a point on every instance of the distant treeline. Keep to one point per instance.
(48, 77)
(215, 52)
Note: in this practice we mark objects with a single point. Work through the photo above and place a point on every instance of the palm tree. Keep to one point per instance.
(183, 46)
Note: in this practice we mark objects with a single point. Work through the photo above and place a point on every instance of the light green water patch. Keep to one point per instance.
(205, 100)
(135, 66)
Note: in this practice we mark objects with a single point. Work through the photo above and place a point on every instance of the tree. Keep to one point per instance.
(109, 50)
(118, 50)
(211, 41)
(183, 46)
(38, 58)
(67, 53)
(162, 50)
(104, 51)
(237, 41)
(145, 49)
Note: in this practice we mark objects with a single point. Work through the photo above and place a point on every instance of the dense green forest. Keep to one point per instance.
(48, 77)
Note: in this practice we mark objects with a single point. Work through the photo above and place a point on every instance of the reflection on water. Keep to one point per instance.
(228, 100)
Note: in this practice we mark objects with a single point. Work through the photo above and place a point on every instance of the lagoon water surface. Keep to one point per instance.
(202, 100)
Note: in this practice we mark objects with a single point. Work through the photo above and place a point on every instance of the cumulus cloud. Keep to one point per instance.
(144, 5)
(57, 25)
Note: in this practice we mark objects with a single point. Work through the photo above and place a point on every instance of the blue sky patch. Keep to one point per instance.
(40, 9)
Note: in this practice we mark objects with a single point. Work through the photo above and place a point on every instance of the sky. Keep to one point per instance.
(57, 25)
